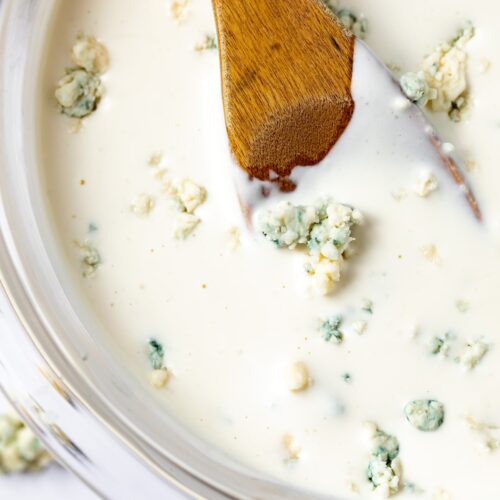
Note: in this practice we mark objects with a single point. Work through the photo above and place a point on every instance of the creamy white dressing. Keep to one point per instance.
(233, 321)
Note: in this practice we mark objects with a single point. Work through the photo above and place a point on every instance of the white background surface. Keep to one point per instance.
(52, 484)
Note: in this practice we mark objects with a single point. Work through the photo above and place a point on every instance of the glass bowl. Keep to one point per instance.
(91, 414)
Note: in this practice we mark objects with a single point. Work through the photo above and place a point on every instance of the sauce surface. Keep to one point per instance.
(233, 319)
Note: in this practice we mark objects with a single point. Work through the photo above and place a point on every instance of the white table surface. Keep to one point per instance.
(53, 483)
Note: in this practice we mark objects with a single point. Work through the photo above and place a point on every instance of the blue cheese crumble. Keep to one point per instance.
(330, 329)
(90, 259)
(156, 355)
(468, 357)
(384, 470)
(80, 90)
(188, 196)
(358, 25)
(323, 229)
(209, 43)
(441, 82)
(473, 353)
(425, 414)
(78, 93)
(20, 449)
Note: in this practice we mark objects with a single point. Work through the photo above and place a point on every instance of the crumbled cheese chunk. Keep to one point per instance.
(441, 345)
(20, 449)
(358, 25)
(142, 205)
(425, 184)
(80, 90)
(90, 259)
(208, 43)
(155, 160)
(489, 434)
(324, 229)
(384, 470)
(187, 194)
(159, 378)
(429, 252)
(179, 9)
(90, 55)
(425, 414)
(323, 272)
(291, 446)
(330, 329)
(78, 93)
(473, 353)
(160, 375)
(185, 225)
(416, 88)
(298, 377)
(441, 84)
(384, 476)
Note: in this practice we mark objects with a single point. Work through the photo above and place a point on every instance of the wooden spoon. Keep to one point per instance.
(287, 72)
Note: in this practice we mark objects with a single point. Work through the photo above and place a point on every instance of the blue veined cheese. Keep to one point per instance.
(470, 355)
(188, 196)
(90, 259)
(416, 88)
(425, 414)
(384, 470)
(80, 90)
(441, 82)
(156, 355)
(330, 329)
(324, 229)
(78, 93)
(358, 25)
(441, 346)
(20, 448)
(209, 43)
(473, 353)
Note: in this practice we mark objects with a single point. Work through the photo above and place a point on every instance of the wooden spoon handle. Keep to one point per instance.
(286, 83)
